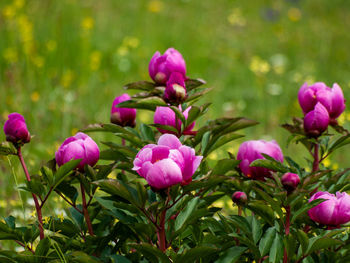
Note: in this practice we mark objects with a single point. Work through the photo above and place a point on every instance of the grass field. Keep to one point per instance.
(63, 62)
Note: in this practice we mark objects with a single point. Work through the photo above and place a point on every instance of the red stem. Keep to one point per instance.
(36, 202)
(123, 141)
(161, 232)
(85, 211)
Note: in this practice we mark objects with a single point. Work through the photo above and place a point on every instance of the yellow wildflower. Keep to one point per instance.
(35, 96)
(122, 51)
(236, 18)
(18, 3)
(294, 14)
(9, 11)
(132, 42)
(33, 213)
(87, 23)
(155, 6)
(51, 45)
(46, 220)
(259, 66)
(95, 60)
(61, 217)
(38, 61)
(67, 78)
(10, 55)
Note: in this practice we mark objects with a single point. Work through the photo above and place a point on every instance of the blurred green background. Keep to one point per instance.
(63, 62)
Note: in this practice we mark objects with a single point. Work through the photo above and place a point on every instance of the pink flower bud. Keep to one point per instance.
(250, 151)
(161, 66)
(15, 129)
(167, 163)
(240, 198)
(290, 181)
(175, 91)
(316, 121)
(331, 98)
(123, 116)
(166, 116)
(334, 211)
(80, 146)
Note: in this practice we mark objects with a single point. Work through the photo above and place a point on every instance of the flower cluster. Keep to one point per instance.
(321, 106)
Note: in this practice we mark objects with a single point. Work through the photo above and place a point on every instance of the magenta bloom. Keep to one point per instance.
(80, 146)
(123, 116)
(290, 181)
(167, 163)
(161, 66)
(316, 121)
(331, 98)
(239, 198)
(15, 129)
(250, 151)
(175, 91)
(333, 212)
(166, 116)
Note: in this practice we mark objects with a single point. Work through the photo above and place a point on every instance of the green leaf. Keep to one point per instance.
(269, 164)
(186, 213)
(216, 142)
(178, 113)
(303, 240)
(147, 132)
(276, 206)
(193, 114)
(150, 103)
(42, 249)
(151, 253)
(64, 171)
(266, 242)
(115, 187)
(205, 141)
(231, 255)
(318, 243)
(140, 85)
(11, 221)
(119, 259)
(276, 251)
(198, 94)
(193, 254)
(166, 128)
(193, 83)
(306, 208)
(224, 165)
(256, 229)
(262, 210)
(81, 257)
(340, 142)
(240, 223)
(6, 149)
